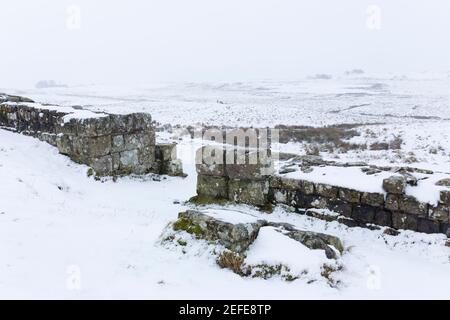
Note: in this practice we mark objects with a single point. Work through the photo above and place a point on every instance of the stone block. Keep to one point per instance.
(210, 161)
(440, 213)
(327, 191)
(395, 184)
(411, 205)
(307, 187)
(129, 159)
(248, 191)
(292, 184)
(341, 207)
(383, 218)
(372, 199)
(404, 221)
(363, 213)
(212, 187)
(392, 202)
(166, 151)
(349, 195)
(247, 165)
(102, 166)
(427, 226)
(94, 127)
(445, 197)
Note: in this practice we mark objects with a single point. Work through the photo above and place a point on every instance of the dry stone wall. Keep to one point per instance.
(111, 144)
(393, 209)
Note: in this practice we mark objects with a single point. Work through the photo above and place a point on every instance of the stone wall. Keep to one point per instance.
(245, 184)
(110, 144)
(243, 179)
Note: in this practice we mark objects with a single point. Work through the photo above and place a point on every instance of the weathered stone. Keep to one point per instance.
(410, 205)
(248, 191)
(383, 218)
(102, 166)
(173, 168)
(118, 143)
(314, 241)
(325, 190)
(248, 165)
(284, 196)
(291, 184)
(276, 182)
(443, 182)
(307, 187)
(341, 207)
(395, 184)
(235, 237)
(94, 127)
(404, 221)
(146, 157)
(427, 226)
(349, 195)
(445, 197)
(440, 213)
(363, 213)
(166, 151)
(129, 159)
(210, 161)
(372, 199)
(392, 202)
(212, 187)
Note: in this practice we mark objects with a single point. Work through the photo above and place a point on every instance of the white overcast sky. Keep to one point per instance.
(139, 41)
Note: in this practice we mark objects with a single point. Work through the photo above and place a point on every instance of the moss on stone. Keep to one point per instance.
(189, 227)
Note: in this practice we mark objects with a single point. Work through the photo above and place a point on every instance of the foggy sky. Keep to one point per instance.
(229, 40)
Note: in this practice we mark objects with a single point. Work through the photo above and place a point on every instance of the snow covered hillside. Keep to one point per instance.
(64, 235)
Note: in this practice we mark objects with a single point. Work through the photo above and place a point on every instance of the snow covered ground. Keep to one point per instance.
(64, 235)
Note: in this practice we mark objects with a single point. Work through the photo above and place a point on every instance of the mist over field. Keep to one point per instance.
(118, 42)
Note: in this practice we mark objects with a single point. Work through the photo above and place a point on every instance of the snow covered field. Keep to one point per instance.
(64, 235)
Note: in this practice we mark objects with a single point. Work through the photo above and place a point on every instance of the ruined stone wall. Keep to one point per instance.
(110, 144)
(246, 184)
(243, 179)
(396, 210)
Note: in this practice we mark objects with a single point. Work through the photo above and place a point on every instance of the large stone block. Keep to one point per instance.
(342, 207)
(363, 213)
(445, 197)
(440, 213)
(392, 202)
(249, 191)
(349, 195)
(166, 151)
(292, 184)
(247, 165)
(307, 187)
(427, 226)
(102, 166)
(411, 205)
(395, 184)
(235, 237)
(138, 140)
(372, 199)
(210, 161)
(94, 127)
(404, 221)
(212, 187)
(129, 159)
(283, 196)
(326, 190)
(383, 218)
